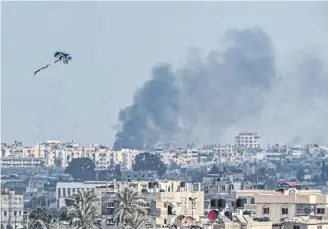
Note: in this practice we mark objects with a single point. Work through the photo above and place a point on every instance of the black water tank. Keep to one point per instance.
(182, 184)
(214, 203)
(240, 203)
(151, 185)
(228, 214)
(247, 213)
(266, 219)
(221, 203)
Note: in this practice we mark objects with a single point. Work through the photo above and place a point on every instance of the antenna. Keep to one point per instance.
(37, 132)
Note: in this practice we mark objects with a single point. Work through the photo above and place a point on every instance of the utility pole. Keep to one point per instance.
(15, 219)
(193, 205)
(25, 215)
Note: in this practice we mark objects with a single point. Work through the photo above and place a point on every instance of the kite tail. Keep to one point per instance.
(46, 66)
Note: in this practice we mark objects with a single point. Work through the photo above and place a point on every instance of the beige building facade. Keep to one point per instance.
(166, 201)
(306, 223)
(281, 204)
(12, 207)
(248, 140)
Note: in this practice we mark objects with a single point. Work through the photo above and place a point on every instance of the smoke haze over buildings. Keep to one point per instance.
(239, 88)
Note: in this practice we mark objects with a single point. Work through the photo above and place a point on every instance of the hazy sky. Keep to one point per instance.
(114, 46)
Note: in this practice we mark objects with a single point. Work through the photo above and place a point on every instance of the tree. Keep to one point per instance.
(317, 180)
(324, 172)
(83, 210)
(300, 174)
(174, 165)
(118, 172)
(40, 201)
(62, 214)
(40, 218)
(130, 202)
(58, 162)
(81, 169)
(111, 173)
(137, 221)
(149, 161)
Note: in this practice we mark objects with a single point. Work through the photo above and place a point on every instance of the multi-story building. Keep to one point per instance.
(68, 189)
(12, 206)
(305, 223)
(248, 140)
(139, 175)
(285, 204)
(166, 201)
(51, 151)
(21, 162)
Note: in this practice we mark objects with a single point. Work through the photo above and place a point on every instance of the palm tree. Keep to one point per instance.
(130, 204)
(40, 218)
(83, 210)
(138, 221)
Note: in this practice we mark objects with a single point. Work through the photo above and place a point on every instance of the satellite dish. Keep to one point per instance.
(212, 215)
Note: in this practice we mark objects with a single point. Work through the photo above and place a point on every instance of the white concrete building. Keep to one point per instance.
(248, 140)
(11, 210)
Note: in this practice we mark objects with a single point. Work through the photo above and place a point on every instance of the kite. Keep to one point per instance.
(59, 56)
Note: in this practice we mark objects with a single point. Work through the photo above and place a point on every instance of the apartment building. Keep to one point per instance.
(51, 151)
(21, 162)
(166, 201)
(139, 175)
(248, 140)
(68, 189)
(12, 206)
(285, 204)
(305, 223)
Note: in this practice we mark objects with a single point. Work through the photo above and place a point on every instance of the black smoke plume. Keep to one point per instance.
(233, 89)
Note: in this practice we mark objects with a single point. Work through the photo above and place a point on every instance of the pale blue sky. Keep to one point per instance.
(114, 46)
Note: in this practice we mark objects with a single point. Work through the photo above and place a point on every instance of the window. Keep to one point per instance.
(165, 205)
(110, 205)
(15, 213)
(165, 221)
(252, 200)
(109, 221)
(319, 227)
(245, 201)
(5, 213)
(266, 210)
(296, 227)
(109, 211)
(64, 192)
(58, 190)
(73, 189)
(222, 188)
(284, 210)
(69, 192)
(321, 211)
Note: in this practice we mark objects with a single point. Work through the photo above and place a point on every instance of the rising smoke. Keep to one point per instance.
(228, 91)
